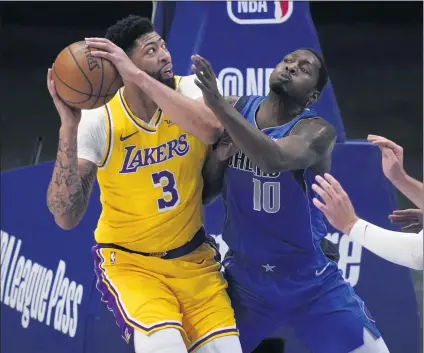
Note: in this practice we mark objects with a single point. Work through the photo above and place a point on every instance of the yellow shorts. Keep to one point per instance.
(150, 294)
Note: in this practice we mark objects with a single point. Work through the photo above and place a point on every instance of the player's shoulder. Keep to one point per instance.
(92, 119)
(96, 114)
(315, 123)
(186, 85)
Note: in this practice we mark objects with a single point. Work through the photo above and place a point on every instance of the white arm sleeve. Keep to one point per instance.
(189, 88)
(92, 135)
(405, 249)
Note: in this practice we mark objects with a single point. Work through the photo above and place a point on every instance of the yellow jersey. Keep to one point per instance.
(150, 180)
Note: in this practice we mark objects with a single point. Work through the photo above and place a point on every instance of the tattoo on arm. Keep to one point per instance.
(71, 184)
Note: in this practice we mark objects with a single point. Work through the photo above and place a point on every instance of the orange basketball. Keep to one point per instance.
(82, 80)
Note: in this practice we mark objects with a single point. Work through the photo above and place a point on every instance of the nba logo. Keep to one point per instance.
(259, 12)
(112, 257)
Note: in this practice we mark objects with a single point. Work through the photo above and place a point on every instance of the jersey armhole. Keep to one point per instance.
(178, 80)
(109, 141)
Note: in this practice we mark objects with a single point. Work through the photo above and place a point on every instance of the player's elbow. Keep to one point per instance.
(66, 223)
(273, 164)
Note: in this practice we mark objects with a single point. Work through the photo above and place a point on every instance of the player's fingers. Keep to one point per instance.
(323, 193)
(387, 143)
(208, 66)
(200, 85)
(373, 137)
(334, 183)
(402, 212)
(404, 215)
(318, 204)
(402, 219)
(415, 227)
(200, 75)
(202, 65)
(97, 39)
(98, 45)
(50, 85)
(49, 80)
(326, 186)
(403, 223)
(102, 54)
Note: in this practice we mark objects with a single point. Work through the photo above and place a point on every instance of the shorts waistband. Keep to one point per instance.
(198, 239)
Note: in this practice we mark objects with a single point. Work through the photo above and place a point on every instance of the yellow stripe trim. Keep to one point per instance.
(108, 147)
(139, 122)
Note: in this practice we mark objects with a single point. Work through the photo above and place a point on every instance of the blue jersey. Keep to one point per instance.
(270, 216)
(276, 271)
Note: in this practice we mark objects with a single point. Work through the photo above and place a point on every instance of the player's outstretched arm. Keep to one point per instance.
(191, 115)
(310, 141)
(404, 249)
(72, 179)
(392, 161)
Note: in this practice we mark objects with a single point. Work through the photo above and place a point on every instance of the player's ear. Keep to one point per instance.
(313, 97)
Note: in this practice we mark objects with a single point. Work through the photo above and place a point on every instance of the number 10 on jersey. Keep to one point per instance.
(266, 196)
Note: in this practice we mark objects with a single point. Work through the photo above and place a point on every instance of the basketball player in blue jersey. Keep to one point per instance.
(277, 273)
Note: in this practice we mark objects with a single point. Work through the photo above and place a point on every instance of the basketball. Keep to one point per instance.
(82, 80)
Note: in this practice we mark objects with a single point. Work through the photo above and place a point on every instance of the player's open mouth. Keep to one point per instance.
(167, 71)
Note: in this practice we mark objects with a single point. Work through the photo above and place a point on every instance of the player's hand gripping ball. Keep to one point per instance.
(82, 80)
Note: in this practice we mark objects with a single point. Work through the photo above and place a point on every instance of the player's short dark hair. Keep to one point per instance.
(323, 72)
(125, 32)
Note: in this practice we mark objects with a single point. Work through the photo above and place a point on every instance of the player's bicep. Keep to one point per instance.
(318, 136)
(92, 133)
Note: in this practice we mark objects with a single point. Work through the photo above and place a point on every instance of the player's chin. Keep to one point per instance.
(169, 81)
(278, 88)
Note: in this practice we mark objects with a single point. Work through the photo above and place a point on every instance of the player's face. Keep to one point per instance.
(296, 76)
(152, 56)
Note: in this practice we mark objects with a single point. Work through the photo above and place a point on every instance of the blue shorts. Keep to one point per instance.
(315, 301)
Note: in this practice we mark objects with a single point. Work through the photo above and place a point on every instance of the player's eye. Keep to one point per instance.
(164, 46)
(151, 51)
(304, 70)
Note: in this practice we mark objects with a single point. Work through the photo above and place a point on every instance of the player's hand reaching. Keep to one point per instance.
(392, 157)
(206, 81)
(410, 220)
(70, 117)
(110, 51)
(336, 205)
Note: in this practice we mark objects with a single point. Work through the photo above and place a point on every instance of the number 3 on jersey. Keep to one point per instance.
(166, 180)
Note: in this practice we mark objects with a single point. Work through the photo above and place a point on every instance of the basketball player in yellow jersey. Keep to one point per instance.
(156, 270)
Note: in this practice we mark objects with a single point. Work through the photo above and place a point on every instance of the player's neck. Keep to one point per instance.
(277, 110)
(139, 103)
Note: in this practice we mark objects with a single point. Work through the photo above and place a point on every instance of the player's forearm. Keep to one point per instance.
(213, 178)
(261, 150)
(65, 197)
(412, 189)
(404, 249)
(191, 115)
